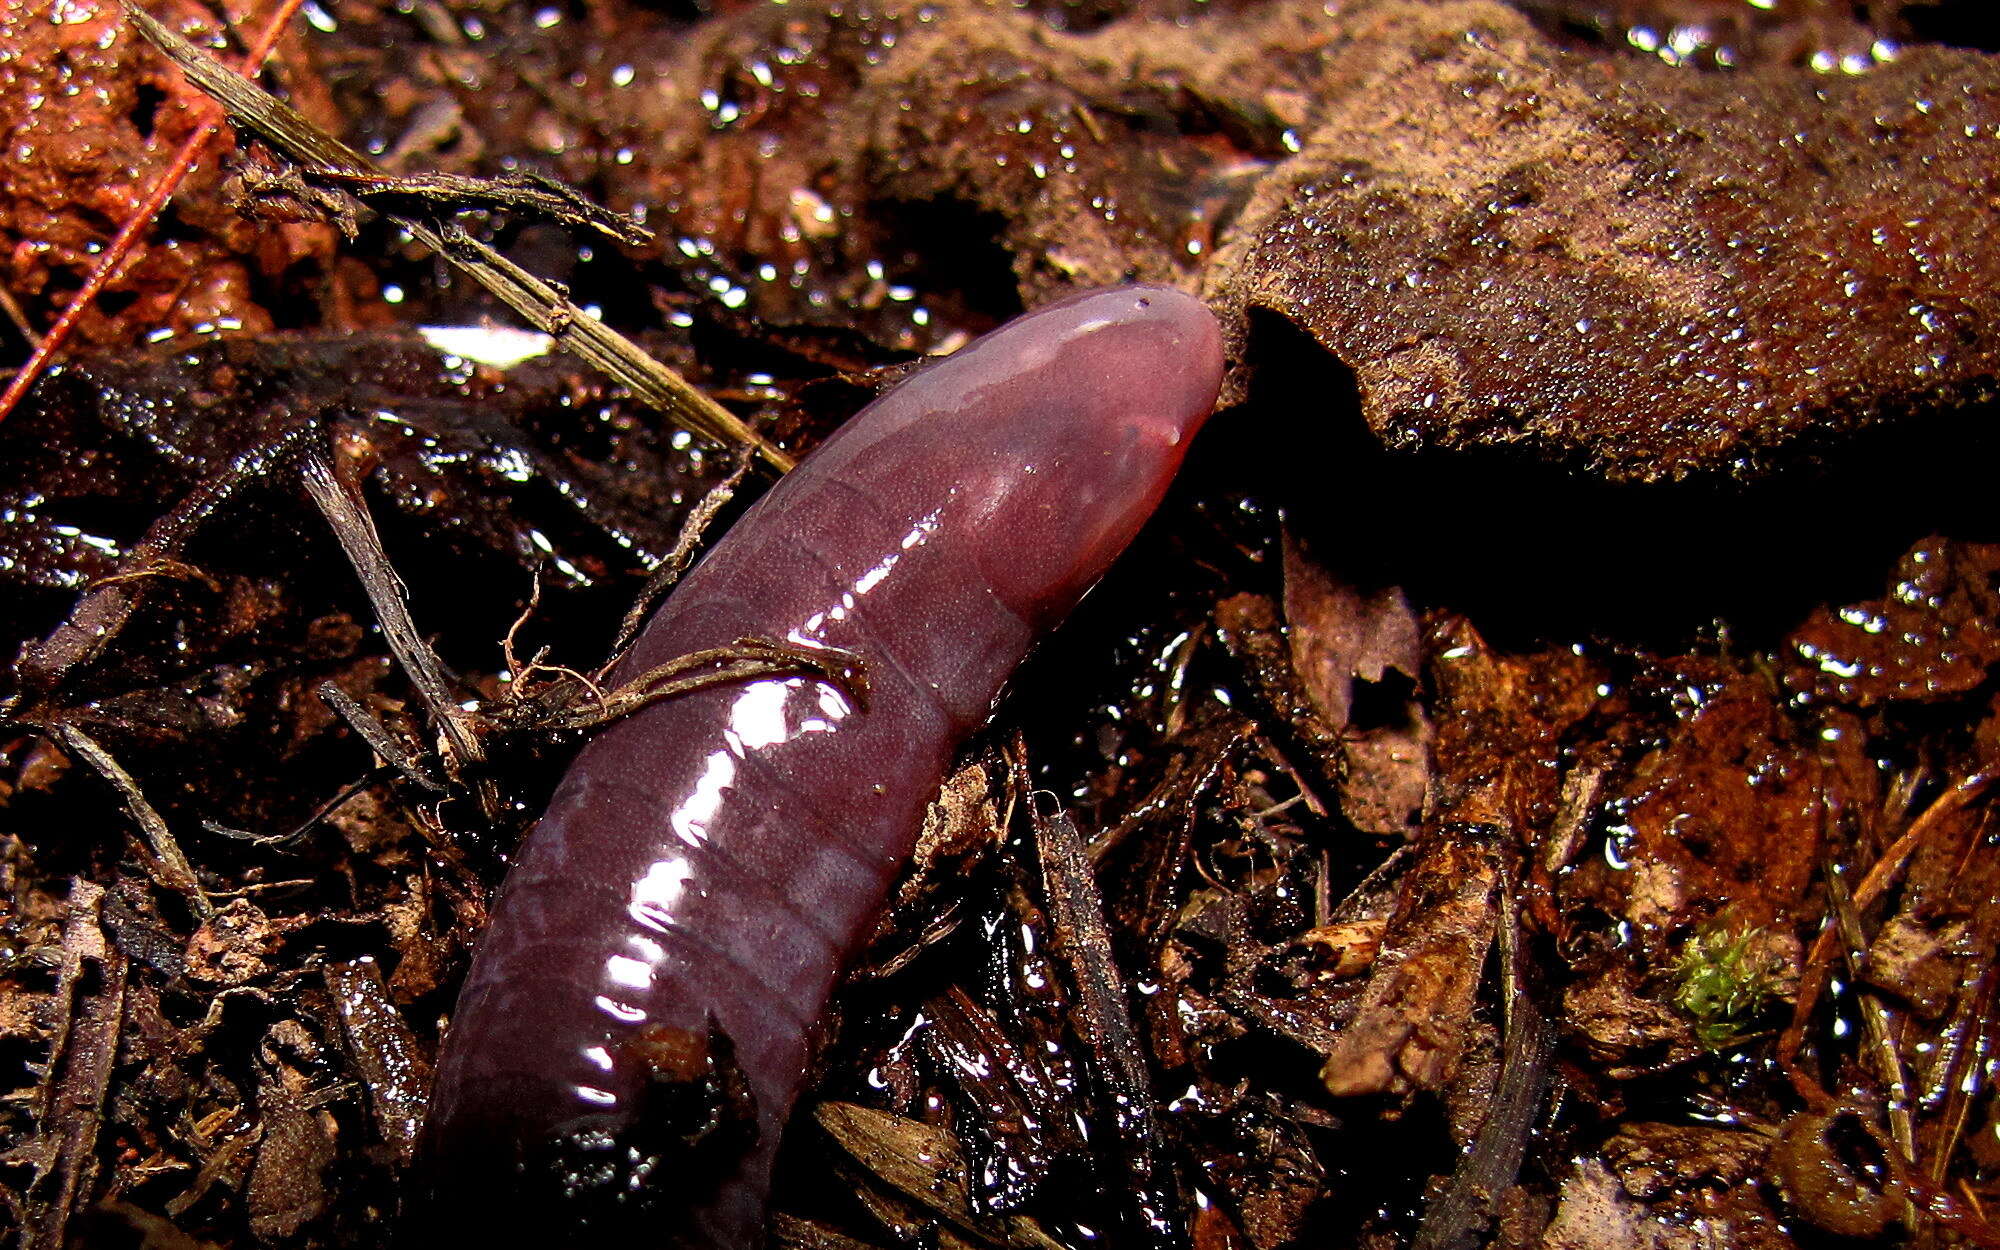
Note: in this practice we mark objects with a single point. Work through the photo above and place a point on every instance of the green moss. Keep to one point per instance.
(1725, 980)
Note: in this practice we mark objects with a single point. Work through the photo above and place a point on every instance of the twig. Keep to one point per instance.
(522, 191)
(1462, 1211)
(1876, 1023)
(517, 671)
(520, 675)
(1191, 773)
(115, 258)
(19, 317)
(1961, 1069)
(1819, 960)
(694, 527)
(166, 864)
(747, 659)
(1082, 941)
(70, 1099)
(341, 503)
(372, 731)
(103, 610)
(545, 307)
(306, 826)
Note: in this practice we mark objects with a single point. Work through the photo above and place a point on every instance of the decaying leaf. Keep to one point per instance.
(1415, 1018)
(1510, 246)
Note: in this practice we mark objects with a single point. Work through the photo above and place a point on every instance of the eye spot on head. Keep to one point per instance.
(1144, 302)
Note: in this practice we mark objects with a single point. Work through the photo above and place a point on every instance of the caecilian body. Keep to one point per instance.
(638, 1017)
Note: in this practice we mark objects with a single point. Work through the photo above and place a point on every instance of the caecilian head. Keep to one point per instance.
(1131, 374)
(1059, 434)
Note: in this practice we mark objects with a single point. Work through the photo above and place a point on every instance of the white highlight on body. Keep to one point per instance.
(809, 634)
(632, 974)
(623, 1012)
(691, 819)
(655, 894)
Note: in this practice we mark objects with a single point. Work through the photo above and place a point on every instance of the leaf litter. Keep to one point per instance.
(1531, 787)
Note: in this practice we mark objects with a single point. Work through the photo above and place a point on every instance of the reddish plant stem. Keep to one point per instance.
(118, 255)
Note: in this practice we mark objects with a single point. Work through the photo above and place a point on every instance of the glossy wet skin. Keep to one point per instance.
(719, 856)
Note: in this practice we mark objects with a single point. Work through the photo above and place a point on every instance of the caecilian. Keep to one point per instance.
(638, 1017)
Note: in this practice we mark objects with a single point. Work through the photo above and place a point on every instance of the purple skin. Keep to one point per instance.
(719, 856)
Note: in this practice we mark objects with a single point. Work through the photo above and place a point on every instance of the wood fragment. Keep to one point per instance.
(1411, 1028)
(370, 729)
(1101, 1016)
(788, 1232)
(90, 998)
(166, 864)
(340, 502)
(924, 1164)
(1190, 774)
(1582, 787)
(1460, 1215)
(1007, 1097)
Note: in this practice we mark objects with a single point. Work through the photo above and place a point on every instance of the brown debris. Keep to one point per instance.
(1414, 1021)
(797, 1234)
(338, 495)
(1932, 637)
(1012, 1150)
(1345, 642)
(544, 306)
(1472, 1200)
(813, 139)
(1655, 1161)
(1595, 1213)
(1247, 626)
(166, 862)
(923, 1165)
(235, 946)
(1295, 784)
(1503, 721)
(1342, 636)
(89, 1002)
(1732, 807)
(394, 1071)
(1627, 1025)
(1084, 945)
(286, 1188)
(1820, 1180)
